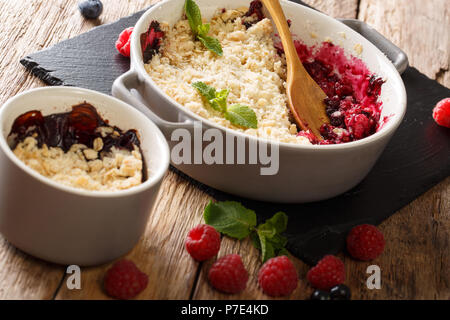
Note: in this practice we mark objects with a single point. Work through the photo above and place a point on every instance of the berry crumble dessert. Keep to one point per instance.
(78, 149)
(238, 54)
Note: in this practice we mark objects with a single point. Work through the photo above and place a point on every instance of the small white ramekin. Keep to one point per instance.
(66, 225)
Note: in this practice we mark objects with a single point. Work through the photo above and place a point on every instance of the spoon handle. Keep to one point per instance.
(278, 17)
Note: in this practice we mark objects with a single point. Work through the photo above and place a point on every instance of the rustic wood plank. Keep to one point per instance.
(336, 8)
(416, 261)
(161, 253)
(23, 277)
(415, 264)
(420, 28)
(27, 26)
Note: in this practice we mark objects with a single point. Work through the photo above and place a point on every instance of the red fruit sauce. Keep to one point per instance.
(353, 91)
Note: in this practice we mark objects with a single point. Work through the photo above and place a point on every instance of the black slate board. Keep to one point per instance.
(417, 158)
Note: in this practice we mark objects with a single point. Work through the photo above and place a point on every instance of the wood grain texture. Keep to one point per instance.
(336, 8)
(414, 265)
(416, 261)
(161, 253)
(28, 26)
(420, 28)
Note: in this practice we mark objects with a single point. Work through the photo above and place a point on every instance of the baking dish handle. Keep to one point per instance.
(394, 53)
(122, 89)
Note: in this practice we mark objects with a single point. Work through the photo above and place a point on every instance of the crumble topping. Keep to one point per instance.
(83, 167)
(250, 68)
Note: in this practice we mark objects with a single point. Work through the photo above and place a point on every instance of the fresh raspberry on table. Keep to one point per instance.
(278, 277)
(329, 272)
(228, 274)
(203, 242)
(123, 42)
(441, 113)
(365, 242)
(124, 280)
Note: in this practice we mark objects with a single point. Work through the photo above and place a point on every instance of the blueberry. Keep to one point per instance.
(320, 295)
(90, 9)
(340, 292)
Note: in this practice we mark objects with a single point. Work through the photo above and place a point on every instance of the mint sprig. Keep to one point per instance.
(234, 220)
(230, 218)
(269, 235)
(242, 116)
(200, 29)
(237, 114)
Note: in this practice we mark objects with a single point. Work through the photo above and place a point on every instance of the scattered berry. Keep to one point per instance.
(441, 113)
(278, 277)
(124, 280)
(203, 242)
(228, 274)
(340, 292)
(123, 42)
(320, 295)
(90, 9)
(365, 242)
(329, 272)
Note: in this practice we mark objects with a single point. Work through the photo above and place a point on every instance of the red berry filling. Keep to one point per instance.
(151, 41)
(255, 12)
(353, 92)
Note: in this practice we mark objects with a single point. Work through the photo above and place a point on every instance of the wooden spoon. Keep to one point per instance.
(305, 97)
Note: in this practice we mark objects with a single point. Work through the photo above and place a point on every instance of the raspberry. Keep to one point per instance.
(278, 277)
(203, 242)
(228, 274)
(441, 113)
(123, 42)
(124, 280)
(329, 272)
(365, 242)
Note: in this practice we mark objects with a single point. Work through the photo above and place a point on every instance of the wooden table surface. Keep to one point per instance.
(416, 262)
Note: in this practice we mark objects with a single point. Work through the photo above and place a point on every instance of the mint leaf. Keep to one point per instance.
(217, 100)
(203, 29)
(212, 44)
(271, 242)
(234, 220)
(199, 29)
(209, 93)
(267, 249)
(283, 252)
(270, 246)
(242, 116)
(278, 222)
(230, 218)
(193, 14)
(254, 237)
(220, 101)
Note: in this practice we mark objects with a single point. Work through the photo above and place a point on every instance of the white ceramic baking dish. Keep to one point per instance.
(67, 225)
(306, 173)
